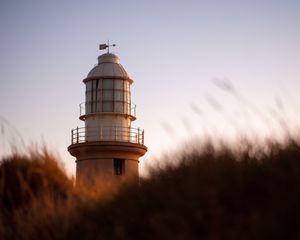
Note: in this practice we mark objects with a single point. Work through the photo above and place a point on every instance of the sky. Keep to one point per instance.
(200, 68)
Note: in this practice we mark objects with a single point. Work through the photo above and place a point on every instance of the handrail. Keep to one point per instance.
(132, 110)
(108, 133)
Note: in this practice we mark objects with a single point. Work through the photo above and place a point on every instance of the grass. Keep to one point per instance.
(224, 193)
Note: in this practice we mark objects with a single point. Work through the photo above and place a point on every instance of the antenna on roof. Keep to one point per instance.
(106, 46)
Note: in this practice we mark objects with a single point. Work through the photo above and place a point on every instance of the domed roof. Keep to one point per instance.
(108, 66)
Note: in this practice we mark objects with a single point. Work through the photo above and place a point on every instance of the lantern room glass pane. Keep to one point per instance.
(119, 107)
(107, 106)
(88, 107)
(94, 106)
(107, 83)
(88, 86)
(88, 97)
(107, 95)
(118, 96)
(95, 96)
(99, 98)
(119, 84)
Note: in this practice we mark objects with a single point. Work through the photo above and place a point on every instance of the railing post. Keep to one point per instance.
(143, 137)
(72, 136)
(77, 135)
(138, 136)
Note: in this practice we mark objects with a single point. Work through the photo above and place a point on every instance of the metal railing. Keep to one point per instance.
(130, 109)
(111, 133)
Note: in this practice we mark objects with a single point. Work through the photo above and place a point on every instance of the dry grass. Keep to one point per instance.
(211, 194)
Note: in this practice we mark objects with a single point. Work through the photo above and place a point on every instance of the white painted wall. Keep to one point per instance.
(107, 127)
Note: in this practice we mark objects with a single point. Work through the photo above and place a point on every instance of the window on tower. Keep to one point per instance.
(119, 166)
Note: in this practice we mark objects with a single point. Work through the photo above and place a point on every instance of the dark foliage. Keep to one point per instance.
(212, 195)
(24, 178)
(207, 196)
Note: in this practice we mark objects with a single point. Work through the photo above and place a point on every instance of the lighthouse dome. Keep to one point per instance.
(108, 66)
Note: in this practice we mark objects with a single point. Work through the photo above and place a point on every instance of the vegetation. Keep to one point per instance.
(227, 193)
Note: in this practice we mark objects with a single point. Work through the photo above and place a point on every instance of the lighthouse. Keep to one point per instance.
(107, 148)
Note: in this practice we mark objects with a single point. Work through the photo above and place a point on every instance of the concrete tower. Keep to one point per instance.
(107, 148)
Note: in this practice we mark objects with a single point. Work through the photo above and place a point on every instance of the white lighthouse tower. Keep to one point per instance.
(107, 148)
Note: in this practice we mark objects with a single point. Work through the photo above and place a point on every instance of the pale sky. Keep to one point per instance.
(182, 55)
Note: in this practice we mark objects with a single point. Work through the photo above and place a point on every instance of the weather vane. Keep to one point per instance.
(106, 45)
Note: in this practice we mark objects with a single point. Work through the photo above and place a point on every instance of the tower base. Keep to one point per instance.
(106, 161)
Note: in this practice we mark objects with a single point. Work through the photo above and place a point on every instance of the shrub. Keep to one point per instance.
(210, 194)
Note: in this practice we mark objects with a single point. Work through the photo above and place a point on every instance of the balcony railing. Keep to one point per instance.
(129, 108)
(113, 133)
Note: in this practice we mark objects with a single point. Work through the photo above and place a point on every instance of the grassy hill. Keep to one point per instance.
(252, 193)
